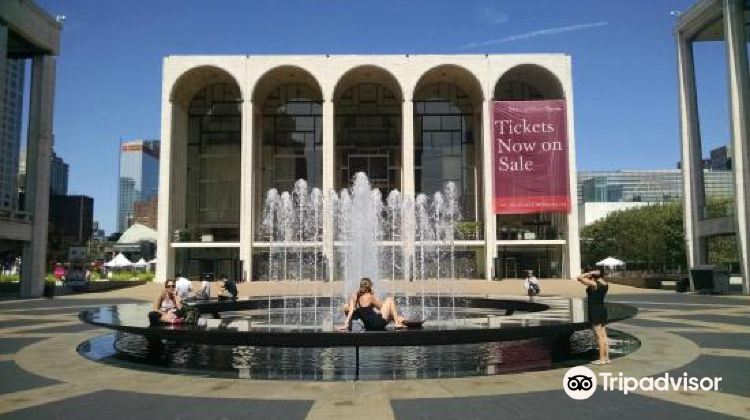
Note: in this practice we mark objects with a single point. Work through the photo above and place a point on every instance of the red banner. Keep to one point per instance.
(530, 157)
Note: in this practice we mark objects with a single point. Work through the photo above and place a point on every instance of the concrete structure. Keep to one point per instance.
(10, 134)
(139, 177)
(235, 126)
(27, 32)
(715, 20)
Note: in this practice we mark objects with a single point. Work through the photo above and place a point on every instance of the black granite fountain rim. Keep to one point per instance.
(407, 337)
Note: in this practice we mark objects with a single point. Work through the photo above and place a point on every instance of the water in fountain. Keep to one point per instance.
(419, 234)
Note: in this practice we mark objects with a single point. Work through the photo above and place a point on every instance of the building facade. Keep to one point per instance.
(72, 217)
(146, 212)
(139, 177)
(58, 180)
(709, 222)
(10, 134)
(234, 127)
(28, 33)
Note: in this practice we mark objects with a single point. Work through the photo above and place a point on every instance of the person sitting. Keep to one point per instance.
(228, 288)
(375, 315)
(183, 287)
(531, 284)
(168, 303)
(204, 292)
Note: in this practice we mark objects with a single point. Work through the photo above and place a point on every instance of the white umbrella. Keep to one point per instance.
(610, 262)
(140, 263)
(119, 261)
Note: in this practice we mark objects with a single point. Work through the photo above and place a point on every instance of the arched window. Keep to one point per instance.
(368, 136)
(213, 162)
(444, 145)
(292, 136)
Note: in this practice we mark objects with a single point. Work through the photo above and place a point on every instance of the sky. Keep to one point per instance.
(108, 81)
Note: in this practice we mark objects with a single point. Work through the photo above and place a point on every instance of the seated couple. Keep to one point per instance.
(375, 315)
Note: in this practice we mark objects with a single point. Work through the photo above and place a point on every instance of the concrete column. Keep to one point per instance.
(164, 253)
(407, 149)
(488, 189)
(408, 189)
(692, 162)
(573, 242)
(739, 99)
(38, 154)
(329, 183)
(247, 183)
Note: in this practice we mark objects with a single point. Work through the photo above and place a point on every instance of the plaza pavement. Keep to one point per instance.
(42, 376)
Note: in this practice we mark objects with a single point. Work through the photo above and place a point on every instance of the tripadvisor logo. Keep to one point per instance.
(580, 383)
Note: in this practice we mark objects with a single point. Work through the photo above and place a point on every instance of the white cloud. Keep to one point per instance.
(493, 16)
(541, 32)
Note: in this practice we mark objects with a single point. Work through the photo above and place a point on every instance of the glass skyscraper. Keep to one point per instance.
(139, 177)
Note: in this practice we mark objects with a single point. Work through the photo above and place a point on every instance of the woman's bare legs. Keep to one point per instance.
(601, 338)
(389, 312)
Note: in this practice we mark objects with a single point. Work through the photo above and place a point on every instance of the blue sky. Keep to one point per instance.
(624, 69)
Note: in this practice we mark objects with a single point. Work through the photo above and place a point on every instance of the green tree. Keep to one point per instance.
(649, 238)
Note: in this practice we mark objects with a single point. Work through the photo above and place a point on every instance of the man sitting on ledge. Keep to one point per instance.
(228, 288)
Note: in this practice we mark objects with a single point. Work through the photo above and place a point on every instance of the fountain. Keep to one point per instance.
(408, 248)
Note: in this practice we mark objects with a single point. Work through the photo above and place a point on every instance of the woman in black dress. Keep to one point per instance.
(596, 289)
(375, 315)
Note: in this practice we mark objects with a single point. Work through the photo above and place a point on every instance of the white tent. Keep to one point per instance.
(140, 264)
(119, 261)
(610, 262)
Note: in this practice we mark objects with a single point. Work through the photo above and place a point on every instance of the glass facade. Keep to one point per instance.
(444, 144)
(654, 186)
(292, 138)
(10, 134)
(213, 163)
(139, 177)
(368, 136)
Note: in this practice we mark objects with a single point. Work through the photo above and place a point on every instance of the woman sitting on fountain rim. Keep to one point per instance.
(375, 315)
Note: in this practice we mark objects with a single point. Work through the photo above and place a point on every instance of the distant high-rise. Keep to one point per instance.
(58, 174)
(10, 134)
(139, 177)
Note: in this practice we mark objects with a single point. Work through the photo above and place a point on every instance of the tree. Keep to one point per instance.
(649, 238)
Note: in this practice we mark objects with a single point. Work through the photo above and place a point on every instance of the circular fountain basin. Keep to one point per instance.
(311, 322)
(297, 339)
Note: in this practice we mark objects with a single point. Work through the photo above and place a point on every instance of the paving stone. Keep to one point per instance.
(547, 405)
(15, 379)
(113, 405)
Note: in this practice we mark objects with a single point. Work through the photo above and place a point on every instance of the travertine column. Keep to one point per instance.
(692, 161)
(739, 99)
(247, 179)
(488, 187)
(164, 253)
(39, 150)
(329, 183)
(408, 189)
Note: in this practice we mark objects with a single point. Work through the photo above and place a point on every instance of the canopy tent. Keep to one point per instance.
(610, 262)
(118, 261)
(140, 264)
